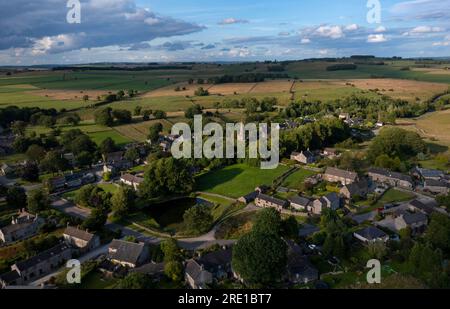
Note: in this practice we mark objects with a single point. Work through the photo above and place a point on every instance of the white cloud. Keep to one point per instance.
(441, 44)
(352, 27)
(305, 41)
(426, 29)
(231, 21)
(333, 32)
(324, 52)
(380, 29)
(239, 52)
(376, 38)
(41, 27)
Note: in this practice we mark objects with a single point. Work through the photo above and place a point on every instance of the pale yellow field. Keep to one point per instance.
(433, 71)
(432, 126)
(232, 88)
(401, 89)
(169, 91)
(273, 86)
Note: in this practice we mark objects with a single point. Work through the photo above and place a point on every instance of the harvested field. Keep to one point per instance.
(433, 126)
(170, 91)
(232, 88)
(401, 89)
(139, 131)
(273, 86)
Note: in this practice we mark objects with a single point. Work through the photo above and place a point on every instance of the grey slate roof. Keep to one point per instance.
(10, 277)
(215, 259)
(390, 174)
(414, 218)
(79, 234)
(371, 233)
(272, 200)
(341, 173)
(150, 269)
(35, 260)
(125, 251)
(195, 271)
(300, 200)
(436, 183)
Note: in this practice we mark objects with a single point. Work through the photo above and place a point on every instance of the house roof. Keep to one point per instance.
(150, 269)
(411, 218)
(300, 200)
(195, 271)
(77, 233)
(332, 197)
(214, 259)
(272, 199)
(251, 196)
(428, 209)
(427, 173)
(114, 156)
(332, 171)
(356, 187)
(125, 251)
(371, 233)
(9, 277)
(436, 183)
(297, 263)
(387, 173)
(15, 227)
(42, 257)
(132, 178)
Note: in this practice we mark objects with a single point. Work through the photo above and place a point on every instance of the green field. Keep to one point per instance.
(96, 132)
(297, 178)
(237, 180)
(22, 98)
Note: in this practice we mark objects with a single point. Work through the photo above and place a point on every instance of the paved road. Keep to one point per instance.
(200, 242)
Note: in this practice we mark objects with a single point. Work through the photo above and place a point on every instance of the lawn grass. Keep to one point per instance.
(393, 195)
(237, 180)
(297, 178)
(97, 281)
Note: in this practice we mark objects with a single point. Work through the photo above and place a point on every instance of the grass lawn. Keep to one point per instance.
(13, 158)
(237, 180)
(297, 178)
(391, 196)
(108, 187)
(96, 281)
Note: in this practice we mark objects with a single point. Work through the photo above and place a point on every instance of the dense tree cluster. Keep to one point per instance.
(395, 142)
(316, 135)
(246, 78)
(198, 219)
(167, 176)
(260, 256)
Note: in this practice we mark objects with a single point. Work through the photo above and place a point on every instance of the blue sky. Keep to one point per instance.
(198, 30)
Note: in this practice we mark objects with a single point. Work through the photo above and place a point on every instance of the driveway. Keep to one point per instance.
(70, 208)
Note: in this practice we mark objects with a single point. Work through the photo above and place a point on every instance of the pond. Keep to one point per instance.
(170, 214)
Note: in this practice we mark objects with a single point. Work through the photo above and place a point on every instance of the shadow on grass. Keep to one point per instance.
(213, 179)
(436, 148)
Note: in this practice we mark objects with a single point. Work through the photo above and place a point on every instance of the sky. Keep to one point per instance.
(38, 31)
